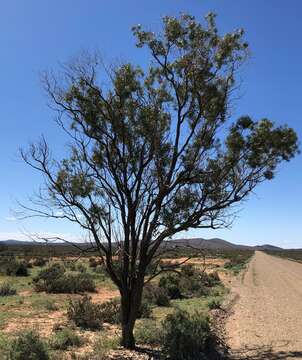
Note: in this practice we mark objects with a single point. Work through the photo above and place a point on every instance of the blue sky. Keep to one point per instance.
(37, 35)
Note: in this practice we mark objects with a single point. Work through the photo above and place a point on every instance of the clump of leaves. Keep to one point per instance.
(29, 346)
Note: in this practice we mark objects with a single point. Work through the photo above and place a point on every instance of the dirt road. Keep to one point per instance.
(266, 322)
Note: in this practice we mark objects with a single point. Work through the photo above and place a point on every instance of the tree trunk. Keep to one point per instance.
(130, 305)
(128, 340)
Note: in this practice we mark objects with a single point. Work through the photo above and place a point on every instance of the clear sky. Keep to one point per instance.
(37, 35)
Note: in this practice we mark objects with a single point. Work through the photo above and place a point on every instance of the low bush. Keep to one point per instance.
(186, 336)
(145, 310)
(156, 295)
(65, 338)
(10, 266)
(28, 346)
(148, 332)
(85, 314)
(171, 284)
(190, 282)
(7, 289)
(55, 279)
(40, 262)
(111, 311)
(214, 303)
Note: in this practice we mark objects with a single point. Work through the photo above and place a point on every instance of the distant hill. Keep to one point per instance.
(216, 244)
(198, 243)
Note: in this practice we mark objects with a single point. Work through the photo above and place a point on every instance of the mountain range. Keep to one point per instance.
(199, 243)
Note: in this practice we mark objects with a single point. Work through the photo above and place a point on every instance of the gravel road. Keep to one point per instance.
(266, 320)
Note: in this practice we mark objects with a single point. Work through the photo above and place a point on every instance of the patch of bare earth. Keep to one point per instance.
(265, 322)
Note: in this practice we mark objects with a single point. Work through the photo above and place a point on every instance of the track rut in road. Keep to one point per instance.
(266, 321)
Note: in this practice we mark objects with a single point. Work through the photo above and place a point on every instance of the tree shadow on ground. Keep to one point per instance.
(265, 353)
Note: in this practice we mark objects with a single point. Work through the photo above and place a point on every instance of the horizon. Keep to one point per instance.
(37, 37)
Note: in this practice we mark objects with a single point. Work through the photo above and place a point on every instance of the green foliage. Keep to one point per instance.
(7, 289)
(185, 336)
(215, 303)
(171, 284)
(111, 311)
(190, 282)
(55, 279)
(145, 310)
(12, 267)
(28, 346)
(65, 338)
(156, 295)
(85, 314)
(148, 332)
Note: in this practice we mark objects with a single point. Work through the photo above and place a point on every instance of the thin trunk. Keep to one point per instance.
(130, 304)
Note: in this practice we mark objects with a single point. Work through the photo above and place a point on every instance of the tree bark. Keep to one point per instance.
(130, 305)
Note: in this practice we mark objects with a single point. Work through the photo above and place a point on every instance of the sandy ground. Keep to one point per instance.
(266, 321)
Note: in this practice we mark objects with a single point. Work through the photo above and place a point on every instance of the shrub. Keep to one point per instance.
(111, 311)
(12, 267)
(185, 336)
(214, 303)
(21, 269)
(64, 339)
(171, 283)
(39, 262)
(148, 332)
(28, 346)
(6, 290)
(55, 279)
(50, 305)
(156, 295)
(85, 314)
(102, 346)
(145, 310)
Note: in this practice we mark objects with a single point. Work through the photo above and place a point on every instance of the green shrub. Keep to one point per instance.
(156, 295)
(185, 336)
(214, 303)
(55, 279)
(145, 310)
(85, 314)
(171, 283)
(148, 332)
(50, 305)
(28, 346)
(65, 338)
(10, 266)
(6, 289)
(111, 311)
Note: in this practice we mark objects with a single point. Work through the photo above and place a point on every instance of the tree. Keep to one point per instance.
(154, 152)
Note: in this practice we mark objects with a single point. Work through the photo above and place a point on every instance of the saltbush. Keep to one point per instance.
(186, 336)
(171, 284)
(7, 289)
(29, 346)
(148, 332)
(10, 266)
(111, 311)
(85, 314)
(55, 279)
(65, 338)
(156, 295)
